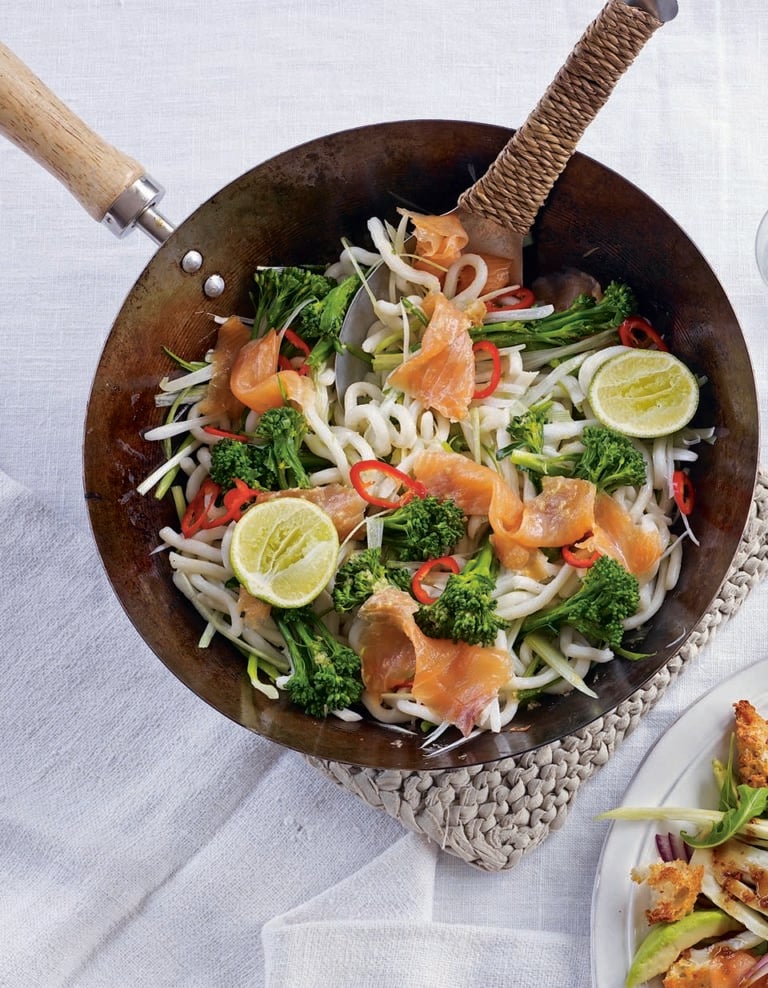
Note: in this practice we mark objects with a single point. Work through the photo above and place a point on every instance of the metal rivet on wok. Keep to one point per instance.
(192, 261)
(214, 286)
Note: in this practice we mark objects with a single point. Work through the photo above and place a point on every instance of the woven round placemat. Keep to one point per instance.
(491, 815)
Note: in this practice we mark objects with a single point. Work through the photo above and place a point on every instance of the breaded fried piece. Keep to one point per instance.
(715, 965)
(674, 885)
(751, 745)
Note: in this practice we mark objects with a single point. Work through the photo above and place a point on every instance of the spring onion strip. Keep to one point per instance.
(547, 651)
(453, 745)
(685, 814)
(253, 668)
(200, 376)
(207, 636)
(177, 428)
(182, 582)
(519, 315)
(146, 485)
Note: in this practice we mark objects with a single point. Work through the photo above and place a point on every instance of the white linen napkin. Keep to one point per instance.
(144, 839)
(375, 929)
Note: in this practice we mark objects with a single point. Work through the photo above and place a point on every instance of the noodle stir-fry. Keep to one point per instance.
(497, 539)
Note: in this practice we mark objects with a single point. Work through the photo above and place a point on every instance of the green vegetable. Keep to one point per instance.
(737, 803)
(362, 575)
(231, 459)
(666, 941)
(319, 323)
(325, 673)
(526, 450)
(610, 460)
(607, 596)
(465, 610)
(751, 829)
(424, 528)
(546, 650)
(750, 802)
(273, 464)
(584, 317)
(283, 430)
(278, 292)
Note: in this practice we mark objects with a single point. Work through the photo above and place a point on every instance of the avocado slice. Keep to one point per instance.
(666, 941)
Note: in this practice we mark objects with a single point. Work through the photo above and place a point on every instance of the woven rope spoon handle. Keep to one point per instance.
(516, 185)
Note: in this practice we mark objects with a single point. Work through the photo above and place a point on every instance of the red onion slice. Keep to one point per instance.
(672, 847)
(755, 973)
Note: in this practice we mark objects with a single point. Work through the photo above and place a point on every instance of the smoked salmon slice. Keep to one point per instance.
(279, 389)
(256, 381)
(567, 511)
(255, 612)
(219, 399)
(615, 534)
(255, 363)
(561, 515)
(441, 374)
(439, 240)
(716, 966)
(477, 490)
(455, 680)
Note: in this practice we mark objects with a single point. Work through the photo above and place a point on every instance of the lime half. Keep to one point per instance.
(644, 393)
(284, 551)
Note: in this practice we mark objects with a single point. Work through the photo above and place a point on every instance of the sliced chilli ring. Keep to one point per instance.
(575, 554)
(489, 348)
(417, 587)
(682, 491)
(413, 488)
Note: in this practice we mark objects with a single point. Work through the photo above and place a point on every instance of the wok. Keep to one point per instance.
(293, 209)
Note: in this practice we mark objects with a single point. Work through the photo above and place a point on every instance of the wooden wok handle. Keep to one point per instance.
(109, 185)
(516, 185)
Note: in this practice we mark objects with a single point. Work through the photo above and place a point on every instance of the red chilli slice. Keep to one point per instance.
(485, 346)
(413, 488)
(419, 591)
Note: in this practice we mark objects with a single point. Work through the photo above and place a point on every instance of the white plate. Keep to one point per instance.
(675, 772)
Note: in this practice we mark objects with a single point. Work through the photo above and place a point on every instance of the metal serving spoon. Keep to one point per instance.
(499, 209)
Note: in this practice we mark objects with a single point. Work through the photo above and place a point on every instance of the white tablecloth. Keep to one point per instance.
(144, 839)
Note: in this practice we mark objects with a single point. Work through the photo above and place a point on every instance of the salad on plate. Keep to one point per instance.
(704, 895)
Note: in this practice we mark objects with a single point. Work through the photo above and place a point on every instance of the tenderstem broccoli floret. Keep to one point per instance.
(272, 462)
(584, 317)
(325, 674)
(283, 430)
(424, 528)
(526, 450)
(363, 575)
(608, 595)
(231, 459)
(466, 609)
(319, 323)
(610, 459)
(278, 292)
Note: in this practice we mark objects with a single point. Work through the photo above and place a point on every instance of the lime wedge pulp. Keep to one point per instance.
(644, 393)
(284, 551)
